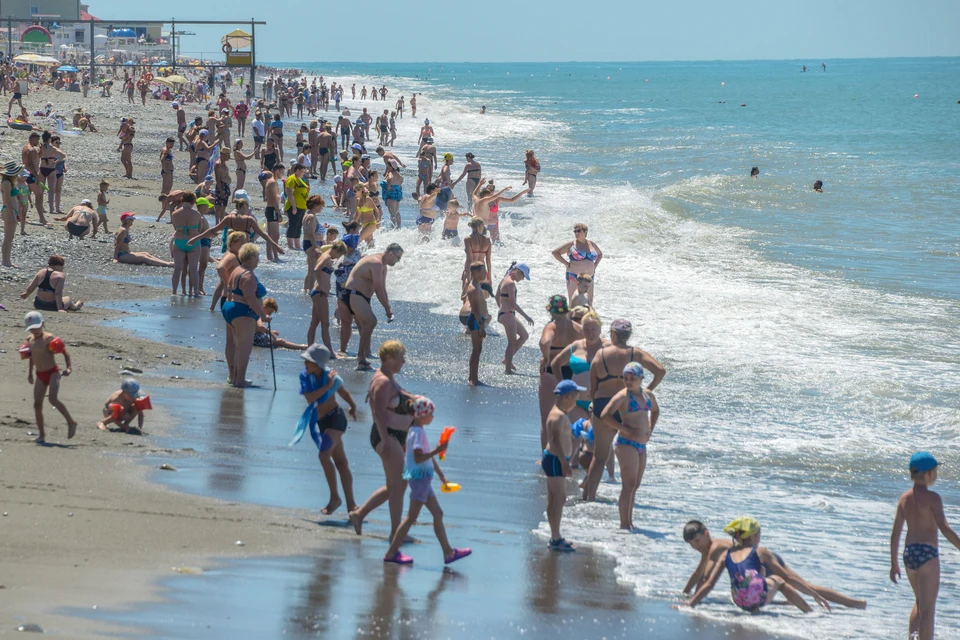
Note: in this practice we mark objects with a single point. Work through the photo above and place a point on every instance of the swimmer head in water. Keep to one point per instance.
(755, 172)
(818, 186)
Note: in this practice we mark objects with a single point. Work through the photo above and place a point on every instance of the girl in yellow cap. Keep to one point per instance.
(747, 563)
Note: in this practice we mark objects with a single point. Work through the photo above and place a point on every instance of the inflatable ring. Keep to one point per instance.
(148, 76)
(23, 126)
(226, 48)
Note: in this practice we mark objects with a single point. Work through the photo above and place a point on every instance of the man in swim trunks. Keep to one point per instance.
(922, 511)
(367, 278)
(30, 157)
(556, 459)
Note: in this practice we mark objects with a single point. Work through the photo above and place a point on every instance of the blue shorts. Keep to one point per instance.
(472, 323)
(425, 220)
(551, 465)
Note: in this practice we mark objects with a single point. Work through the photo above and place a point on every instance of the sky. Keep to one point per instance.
(565, 30)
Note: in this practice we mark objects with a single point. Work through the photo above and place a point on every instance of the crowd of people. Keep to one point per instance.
(598, 410)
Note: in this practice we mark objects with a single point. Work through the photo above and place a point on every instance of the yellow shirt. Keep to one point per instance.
(300, 192)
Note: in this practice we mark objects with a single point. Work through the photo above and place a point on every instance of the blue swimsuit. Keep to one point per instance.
(232, 309)
(633, 407)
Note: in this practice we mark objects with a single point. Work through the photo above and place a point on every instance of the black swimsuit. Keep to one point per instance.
(403, 408)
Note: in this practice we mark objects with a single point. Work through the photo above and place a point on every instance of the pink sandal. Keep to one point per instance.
(458, 554)
(399, 558)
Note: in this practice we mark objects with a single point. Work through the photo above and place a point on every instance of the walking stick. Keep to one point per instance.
(273, 364)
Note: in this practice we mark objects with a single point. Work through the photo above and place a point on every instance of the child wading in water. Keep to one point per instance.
(418, 470)
(748, 565)
(922, 510)
(41, 348)
(556, 458)
(326, 422)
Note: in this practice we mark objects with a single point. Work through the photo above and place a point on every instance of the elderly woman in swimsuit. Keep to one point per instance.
(392, 410)
(186, 223)
(605, 383)
(509, 308)
(242, 309)
(633, 414)
(49, 283)
(121, 246)
(227, 264)
(579, 256)
(320, 293)
(577, 358)
(556, 337)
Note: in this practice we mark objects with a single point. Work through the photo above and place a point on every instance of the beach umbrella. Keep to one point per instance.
(172, 80)
(67, 68)
(28, 58)
(129, 63)
(46, 61)
(237, 39)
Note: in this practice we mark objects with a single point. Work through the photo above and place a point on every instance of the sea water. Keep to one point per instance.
(810, 339)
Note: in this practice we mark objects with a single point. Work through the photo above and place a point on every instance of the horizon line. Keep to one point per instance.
(801, 60)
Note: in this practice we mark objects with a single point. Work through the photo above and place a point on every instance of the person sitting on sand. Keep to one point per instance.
(748, 563)
(49, 284)
(80, 219)
(41, 348)
(121, 246)
(419, 467)
(327, 423)
(264, 336)
(123, 406)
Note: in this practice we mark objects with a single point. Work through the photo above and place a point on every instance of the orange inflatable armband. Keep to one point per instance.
(57, 346)
(142, 404)
(445, 438)
(25, 351)
(116, 410)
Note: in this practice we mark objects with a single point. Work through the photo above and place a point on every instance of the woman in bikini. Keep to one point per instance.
(486, 206)
(392, 188)
(509, 308)
(241, 159)
(531, 169)
(240, 219)
(392, 410)
(241, 310)
(604, 385)
(227, 264)
(633, 413)
(121, 246)
(10, 213)
(471, 171)
(186, 254)
(367, 216)
(203, 151)
(577, 357)
(556, 337)
(579, 256)
(49, 156)
(477, 248)
(126, 147)
(311, 245)
(49, 284)
(59, 176)
(320, 293)
(166, 166)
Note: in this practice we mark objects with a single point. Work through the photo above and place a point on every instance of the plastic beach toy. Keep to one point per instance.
(445, 438)
(450, 487)
(142, 404)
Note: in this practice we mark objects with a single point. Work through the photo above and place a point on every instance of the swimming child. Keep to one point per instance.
(418, 470)
(102, 201)
(922, 510)
(41, 348)
(633, 411)
(451, 219)
(123, 406)
(556, 458)
(580, 297)
(749, 566)
(326, 422)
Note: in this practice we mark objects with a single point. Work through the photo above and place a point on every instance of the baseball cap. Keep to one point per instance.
(621, 325)
(920, 461)
(317, 354)
(357, 146)
(422, 406)
(86, 201)
(567, 386)
(524, 269)
(241, 194)
(130, 387)
(127, 215)
(633, 368)
(32, 320)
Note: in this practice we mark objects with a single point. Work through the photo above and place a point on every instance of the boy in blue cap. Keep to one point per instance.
(922, 510)
(556, 458)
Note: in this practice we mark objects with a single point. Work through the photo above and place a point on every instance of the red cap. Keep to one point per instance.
(126, 215)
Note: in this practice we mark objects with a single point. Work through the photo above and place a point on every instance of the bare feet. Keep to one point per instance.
(364, 366)
(476, 383)
(40, 440)
(356, 521)
(331, 507)
(71, 429)
(102, 426)
(79, 305)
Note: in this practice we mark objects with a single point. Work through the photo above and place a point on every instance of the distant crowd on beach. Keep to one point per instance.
(598, 410)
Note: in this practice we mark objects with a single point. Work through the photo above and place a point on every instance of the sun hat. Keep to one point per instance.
(422, 406)
(130, 387)
(12, 168)
(33, 320)
(524, 269)
(241, 194)
(204, 202)
(567, 386)
(558, 304)
(351, 240)
(742, 528)
(634, 369)
(318, 354)
(923, 461)
(127, 215)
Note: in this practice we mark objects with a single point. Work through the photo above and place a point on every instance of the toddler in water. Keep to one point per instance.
(123, 406)
(556, 458)
(922, 510)
(580, 299)
(418, 470)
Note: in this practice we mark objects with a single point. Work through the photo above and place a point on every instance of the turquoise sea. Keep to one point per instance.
(811, 339)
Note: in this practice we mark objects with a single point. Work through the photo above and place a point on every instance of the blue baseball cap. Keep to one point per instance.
(922, 461)
(567, 386)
